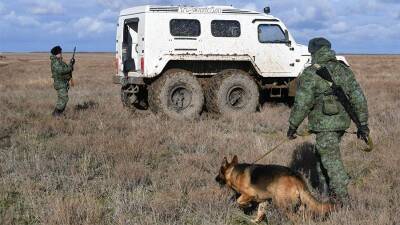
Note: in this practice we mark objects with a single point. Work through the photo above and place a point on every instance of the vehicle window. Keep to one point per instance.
(184, 27)
(225, 28)
(271, 33)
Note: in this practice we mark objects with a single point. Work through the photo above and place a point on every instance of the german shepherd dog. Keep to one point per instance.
(262, 183)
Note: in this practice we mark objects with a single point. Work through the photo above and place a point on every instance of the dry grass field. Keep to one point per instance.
(106, 165)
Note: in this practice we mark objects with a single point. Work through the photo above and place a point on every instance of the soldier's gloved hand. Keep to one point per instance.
(72, 62)
(291, 133)
(363, 132)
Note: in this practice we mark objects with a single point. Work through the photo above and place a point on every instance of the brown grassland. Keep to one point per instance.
(107, 165)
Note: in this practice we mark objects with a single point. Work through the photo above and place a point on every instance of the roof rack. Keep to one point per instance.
(239, 11)
(224, 9)
(164, 9)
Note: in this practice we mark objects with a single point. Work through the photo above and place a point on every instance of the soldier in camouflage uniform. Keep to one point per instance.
(327, 117)
(62, 74)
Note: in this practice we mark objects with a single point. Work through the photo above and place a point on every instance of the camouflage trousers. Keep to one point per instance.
(330, 166)
(62, 98)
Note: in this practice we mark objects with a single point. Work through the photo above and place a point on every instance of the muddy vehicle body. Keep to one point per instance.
(180, 60)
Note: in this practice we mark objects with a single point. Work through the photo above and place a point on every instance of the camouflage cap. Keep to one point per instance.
(56, 50)
(316, 43)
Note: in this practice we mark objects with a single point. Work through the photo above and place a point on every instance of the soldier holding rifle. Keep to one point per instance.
(62, 75)
(330, 96)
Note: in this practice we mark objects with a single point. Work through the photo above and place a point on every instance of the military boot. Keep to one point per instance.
(57, 112)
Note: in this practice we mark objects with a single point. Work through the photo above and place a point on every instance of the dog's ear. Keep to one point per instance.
(224, 162)
(235, 160)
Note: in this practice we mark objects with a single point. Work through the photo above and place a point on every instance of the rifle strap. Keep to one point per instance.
(319, 67)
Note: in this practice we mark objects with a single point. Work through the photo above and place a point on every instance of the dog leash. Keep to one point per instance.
(370, 143)
(270, 151)
(305, 134)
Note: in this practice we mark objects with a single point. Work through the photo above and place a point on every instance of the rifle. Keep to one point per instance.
(338, 91)
(72, 83)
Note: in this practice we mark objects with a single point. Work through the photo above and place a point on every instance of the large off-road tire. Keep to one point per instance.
(177, 94)
(236, 92)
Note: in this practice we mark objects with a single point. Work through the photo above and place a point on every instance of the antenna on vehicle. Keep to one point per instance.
(267, 10)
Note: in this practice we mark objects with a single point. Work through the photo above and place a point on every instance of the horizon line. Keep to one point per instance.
(107, 52)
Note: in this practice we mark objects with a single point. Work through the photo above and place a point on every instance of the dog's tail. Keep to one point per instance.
(316, 207)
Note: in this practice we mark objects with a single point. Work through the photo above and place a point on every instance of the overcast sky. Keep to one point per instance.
(354, 26)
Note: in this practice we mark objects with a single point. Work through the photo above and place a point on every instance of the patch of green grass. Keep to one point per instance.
(15, 211)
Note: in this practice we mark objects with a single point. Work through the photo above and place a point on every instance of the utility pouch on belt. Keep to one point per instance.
(330, 106)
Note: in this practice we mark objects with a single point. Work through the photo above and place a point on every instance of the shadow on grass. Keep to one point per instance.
(86, 105)
(305, 160)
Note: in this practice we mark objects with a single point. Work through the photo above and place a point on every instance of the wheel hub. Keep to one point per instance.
(181, 97)
(237, 97)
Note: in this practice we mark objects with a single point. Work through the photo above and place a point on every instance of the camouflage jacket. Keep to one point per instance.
(314, 97)
(61, 72)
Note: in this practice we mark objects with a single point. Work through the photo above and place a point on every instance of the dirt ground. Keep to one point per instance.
(102, 164)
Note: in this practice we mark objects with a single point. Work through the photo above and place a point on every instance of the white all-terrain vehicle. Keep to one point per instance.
(181, 60)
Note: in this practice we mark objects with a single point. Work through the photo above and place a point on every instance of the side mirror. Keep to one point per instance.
(287, 39)
(267, 10)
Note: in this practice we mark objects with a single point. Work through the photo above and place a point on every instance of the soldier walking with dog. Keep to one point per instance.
(329, 115)
(62, 75)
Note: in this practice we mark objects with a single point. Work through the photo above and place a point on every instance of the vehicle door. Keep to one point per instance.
(130, 46)
(275, 54)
